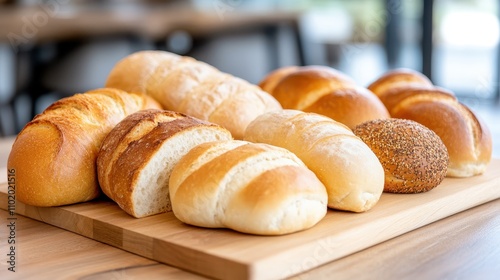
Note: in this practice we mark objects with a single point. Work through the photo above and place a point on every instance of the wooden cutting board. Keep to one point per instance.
(226, 254)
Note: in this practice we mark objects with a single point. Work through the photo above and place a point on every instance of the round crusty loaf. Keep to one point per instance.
(414, 158)
(54, 155)
(408, 94)
(325, 91)
(185, 85)
(350, 171)
(248, 187)
(138, 155)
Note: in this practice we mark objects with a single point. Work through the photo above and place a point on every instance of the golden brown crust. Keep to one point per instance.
(467, 139)
(133, 144)
(408, 94)
(395, 97)
(273, 78)
(54, 155)
(185, 85)
(325, 91)
(350, 106)
(399, 77)
(350, 171)
(248, 187)
(414, 157)
(298, 89)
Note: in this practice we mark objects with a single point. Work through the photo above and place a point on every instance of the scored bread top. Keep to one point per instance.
(138, 154)
(326, 91)
(248, 187)
(408, 94)
(399, 78)
(350, 171)
(192, 87)
(55, 153)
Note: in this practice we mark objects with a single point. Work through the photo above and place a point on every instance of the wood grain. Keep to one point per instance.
(47, 252)
(230, 255)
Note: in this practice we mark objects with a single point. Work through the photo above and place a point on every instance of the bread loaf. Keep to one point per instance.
(414, 158)
(409, 95)
(248, 187)
(325, 91)
(54, 155)
(192, 87)
(350, 171)
(137, 157)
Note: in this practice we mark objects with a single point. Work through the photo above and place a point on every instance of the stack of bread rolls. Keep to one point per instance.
(326, 91)
(408, 94)
(350, 171)
(188, 86)
(55, 154)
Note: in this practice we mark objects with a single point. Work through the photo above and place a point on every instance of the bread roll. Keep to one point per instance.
(192, 87)
(137, 157)
(350, 171)
(399, 78)
(251, 188)
(54, 155)
(409, 95)
(325, 91)
(414, 158)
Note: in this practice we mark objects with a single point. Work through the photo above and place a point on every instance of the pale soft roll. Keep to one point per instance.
(408, 94)
(54, 155)
(192, 87)
(326, 91)
(248, 187)
(138, 155)
(350, 171)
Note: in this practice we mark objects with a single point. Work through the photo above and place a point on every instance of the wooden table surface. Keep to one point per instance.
(38, 23)
(463, 246)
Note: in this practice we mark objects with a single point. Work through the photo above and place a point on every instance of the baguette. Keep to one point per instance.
(137, 157)
(54, 155)
(407, 94)
(326, 91)
(350, 171)
(188, 86)
(251, 188)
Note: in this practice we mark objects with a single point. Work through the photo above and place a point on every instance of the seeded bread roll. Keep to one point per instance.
(138, 155)
(54, 155)
(192, 87)
(326, 91)
(350, 171)
(251, 188)
(414, 158)
(408, 94)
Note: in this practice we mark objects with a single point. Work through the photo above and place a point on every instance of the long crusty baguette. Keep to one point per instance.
(185, 85)
(248, 187)
(54, 155)
(138, 155)
(350, 171)
(326, 91)
(408, 94)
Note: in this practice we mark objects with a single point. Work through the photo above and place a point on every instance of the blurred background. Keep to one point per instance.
(54, 48)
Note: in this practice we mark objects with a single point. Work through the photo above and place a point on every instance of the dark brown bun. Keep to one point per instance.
(413, 157)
